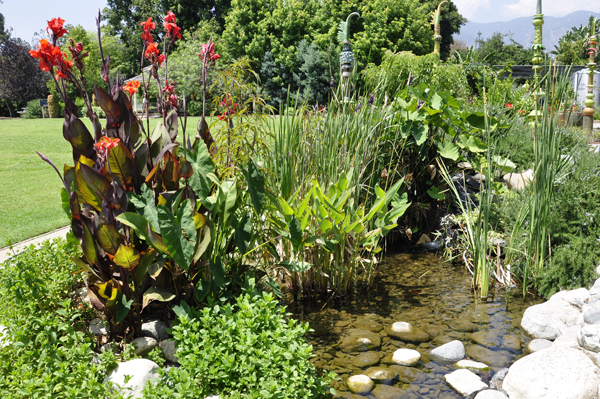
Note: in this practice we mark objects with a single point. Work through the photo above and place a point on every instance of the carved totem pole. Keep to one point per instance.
(538, 57)
(435, 21)
(346, 56)
(588, 111)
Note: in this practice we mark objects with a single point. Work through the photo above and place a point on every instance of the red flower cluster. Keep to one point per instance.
(132, 87)
(173, 31)
(105, 144)
(171, 97)
(49, 56)
(208, 53)
(56, 26)
(508, 105)
(230, 108)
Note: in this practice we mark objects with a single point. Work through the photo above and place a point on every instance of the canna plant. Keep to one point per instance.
(153, 220)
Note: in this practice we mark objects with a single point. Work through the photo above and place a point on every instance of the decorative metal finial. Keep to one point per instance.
(538, 55)
(588, 111)
(435, 21)
(346, 56)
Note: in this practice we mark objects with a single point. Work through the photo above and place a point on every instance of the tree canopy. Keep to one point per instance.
(21, 79)
(572, 47)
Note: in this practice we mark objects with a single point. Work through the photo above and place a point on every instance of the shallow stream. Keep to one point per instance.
(432, 296)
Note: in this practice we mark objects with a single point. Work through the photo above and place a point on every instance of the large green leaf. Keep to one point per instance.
(157, 293)
(256, 185)
(88, 244)
(420, 133)
(123, 307)
(137, 222)
(218, 273)
(122, 164)
(144, 204)
(202, 242)
(243, 233)
(449, 150)
(296, 233)
(127, 257)
(295, 266)
(108, 238)
(181, 248)
(227, 198)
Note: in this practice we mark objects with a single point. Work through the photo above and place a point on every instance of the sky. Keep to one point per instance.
(26, 17)
(505, 10)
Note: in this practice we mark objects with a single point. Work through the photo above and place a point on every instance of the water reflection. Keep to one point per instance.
(433, 297)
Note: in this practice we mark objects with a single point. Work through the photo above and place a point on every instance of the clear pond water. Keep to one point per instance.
(436, 298)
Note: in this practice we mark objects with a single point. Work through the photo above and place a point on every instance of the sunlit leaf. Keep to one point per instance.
(127, 257)
(157, 293)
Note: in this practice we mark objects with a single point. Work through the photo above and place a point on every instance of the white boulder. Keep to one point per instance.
(551, 319)
(406, 357)
(451, 352)
(138, 372)
(560, 372)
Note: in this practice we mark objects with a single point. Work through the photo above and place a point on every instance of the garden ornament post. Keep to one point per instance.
(538, 57)
(346, 56)
(435, 21)
(588, 111)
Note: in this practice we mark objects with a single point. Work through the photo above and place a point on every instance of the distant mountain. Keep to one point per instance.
(522, 29)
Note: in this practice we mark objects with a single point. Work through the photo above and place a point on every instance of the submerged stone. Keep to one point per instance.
(366, 359)
(359, 340)
(360, 384)
(388, 392)
(381, 374)
(407, 332)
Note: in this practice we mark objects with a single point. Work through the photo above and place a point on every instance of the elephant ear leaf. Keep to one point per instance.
(202, 164)
(256, 185)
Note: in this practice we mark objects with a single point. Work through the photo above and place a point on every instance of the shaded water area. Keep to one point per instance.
(436, 298)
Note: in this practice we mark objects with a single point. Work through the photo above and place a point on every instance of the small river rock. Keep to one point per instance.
(407, 332)
(368, 324)
(472, 365)
(388, 392)
(489, 339)
(366, 359)
(381, 374)
(451, 352)
(557, 372)
(511, 343)
(409, 374)
(359, 340)
(360, 384)
(548, 320)
(538, 345)
(155, 329)
(589, 337)
(493, 358)
(463, 326)
(169, 350)
(141, 372)
(144, 345)
(406, 357)
(491, 394)
(464, 381)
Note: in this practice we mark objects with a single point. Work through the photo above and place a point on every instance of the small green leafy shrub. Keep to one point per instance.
(194, 108)
(49, 350)
(245, 350)
(33, 110)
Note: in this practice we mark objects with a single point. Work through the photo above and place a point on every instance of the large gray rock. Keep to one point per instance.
(451, 352)
(464, 382)
(407, 332)
(589, 337)
(490, 394)
(360, 384)
(144, 345)
(559, 372)
(139, 372)
(550, 319)
(536, 345)
(155, 329)
(359, 340)
(574, 297)
(568, 338)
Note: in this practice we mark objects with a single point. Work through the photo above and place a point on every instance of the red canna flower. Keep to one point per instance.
(64, 66)
(170, 17)
(48, 55)
(56, 26)
(508, 105)
(79, 47)
(161, 59)
(208, 53)
(147, 27)
(151, 50)
(105, 144)
(132, 87)
(171, 98)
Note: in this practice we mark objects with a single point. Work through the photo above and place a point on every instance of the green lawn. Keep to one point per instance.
(29, 188)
